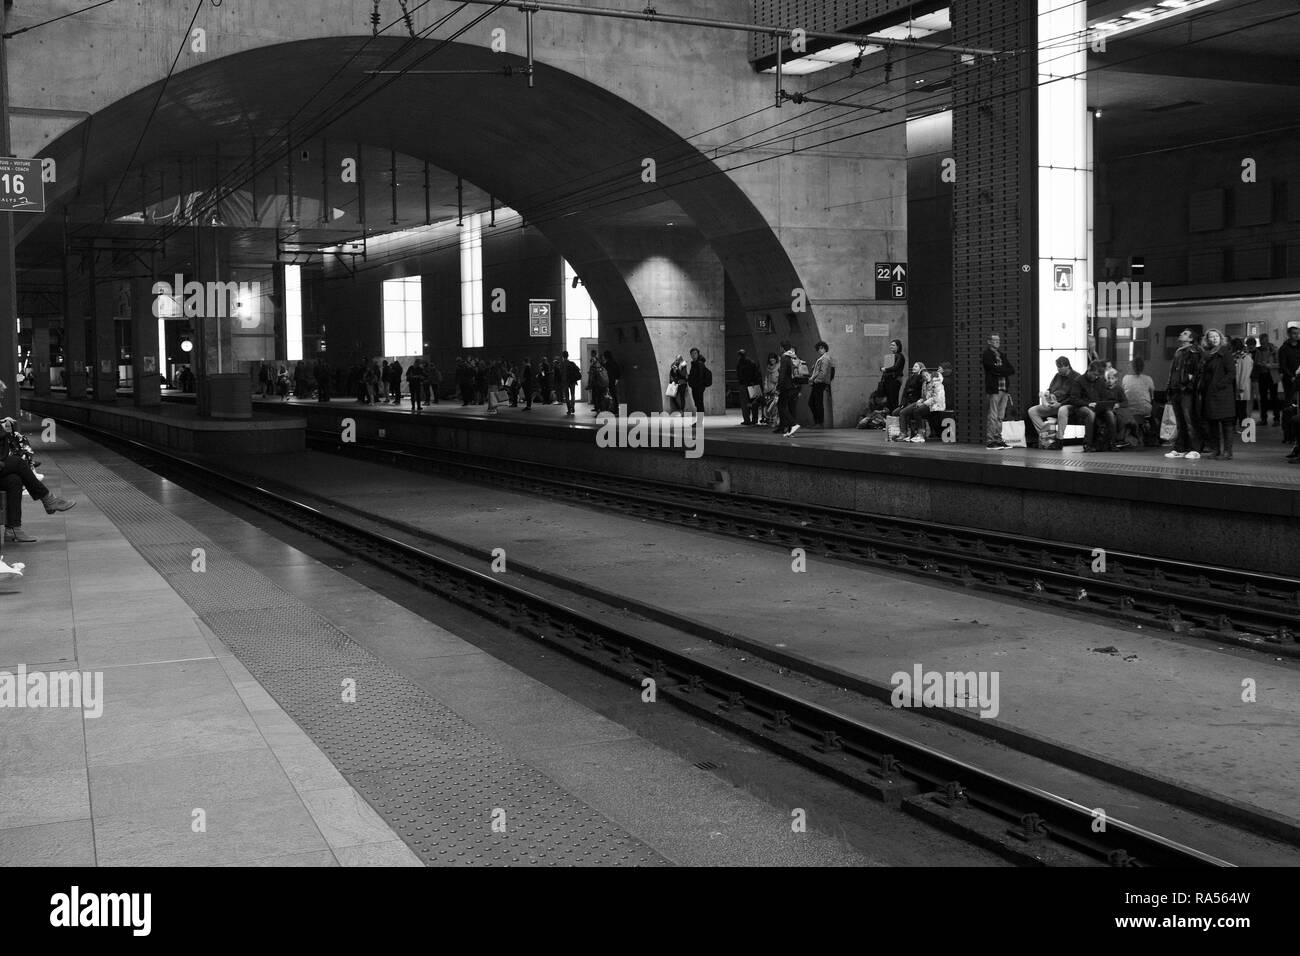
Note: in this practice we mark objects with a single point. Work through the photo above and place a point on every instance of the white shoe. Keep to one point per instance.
(1176, 454)
(793, 429)
(917, 438)
(1192, 454)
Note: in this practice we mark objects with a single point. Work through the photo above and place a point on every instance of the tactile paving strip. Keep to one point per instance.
(452, 792)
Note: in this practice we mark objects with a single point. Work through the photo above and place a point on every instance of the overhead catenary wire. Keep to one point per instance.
(71, 13)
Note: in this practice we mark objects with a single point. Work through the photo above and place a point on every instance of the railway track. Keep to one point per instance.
(1025, 824)
(1221, 604)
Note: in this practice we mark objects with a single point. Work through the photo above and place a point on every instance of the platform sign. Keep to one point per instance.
(539, 318)
(891, 281)
(21, 189)
(1063, 278)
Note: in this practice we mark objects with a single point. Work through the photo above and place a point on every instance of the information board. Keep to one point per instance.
(539, 318)
(21, 189)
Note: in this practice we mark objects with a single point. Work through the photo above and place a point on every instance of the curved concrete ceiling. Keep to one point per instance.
(565, 152)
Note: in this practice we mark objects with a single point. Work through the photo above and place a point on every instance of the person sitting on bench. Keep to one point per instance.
(15, 475)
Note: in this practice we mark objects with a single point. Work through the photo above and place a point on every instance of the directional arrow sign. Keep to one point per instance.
(891, 281)
(21, 189)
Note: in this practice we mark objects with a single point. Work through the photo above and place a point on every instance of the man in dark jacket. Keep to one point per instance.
(322, 380)
(528, 378)
(1184, 376)
(1101, 403)
(747, 375)
(699, 379)
(1064, 395)
(544, 380)
(1288, 363)
(996, 372)
(572, 378)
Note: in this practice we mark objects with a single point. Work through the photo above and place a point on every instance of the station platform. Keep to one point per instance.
(257, 707)
(1245, 512)
(1151, 705)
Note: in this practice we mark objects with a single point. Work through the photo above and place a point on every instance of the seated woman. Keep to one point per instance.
(911, 391)
(15, 475)
(911, 417)
(1128, 419)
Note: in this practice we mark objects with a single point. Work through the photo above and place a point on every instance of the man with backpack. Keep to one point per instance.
(793, 374)
(699, 378)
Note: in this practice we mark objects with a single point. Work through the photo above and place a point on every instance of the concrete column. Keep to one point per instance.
(74, 330)
(103, 337)
(146, 357)
(41, 356)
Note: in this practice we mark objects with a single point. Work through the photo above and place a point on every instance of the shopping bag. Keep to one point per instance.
(754, 391)
(1074, 431)
(892, 429)
(1013, 434)
(1169, 424)
(672, 389)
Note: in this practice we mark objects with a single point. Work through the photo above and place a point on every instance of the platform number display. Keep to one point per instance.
(21, 188)
(891, 281)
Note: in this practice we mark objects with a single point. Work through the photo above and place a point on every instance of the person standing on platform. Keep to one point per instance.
(787, 388)
(997, 371)
(282, 384)
(1218, 389)
(678, 375)
(1244, 369)
(432, 382)
(395, 382)
(1288, 363)
(1265, 356)
(819, 382)
(699, 378)
(572, 376)
(558, 382)
(528, 382)
(771, 395)
(597, 382)
(750, 380)
(543, 380)
(615, 372)
(891, 373)
(322, 380)
(465, 382)
(415, 384)
(1184, 376)
(381, 388)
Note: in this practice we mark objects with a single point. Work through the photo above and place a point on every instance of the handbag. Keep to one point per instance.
(673, 389)
(1168, 424)
(754, 391)
(1013, 433)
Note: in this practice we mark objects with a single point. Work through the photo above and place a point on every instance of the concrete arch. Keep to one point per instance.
(534, 149)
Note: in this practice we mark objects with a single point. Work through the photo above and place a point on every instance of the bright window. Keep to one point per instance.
(582, 321)
(471, 283)
(403, 317)
(293, 313)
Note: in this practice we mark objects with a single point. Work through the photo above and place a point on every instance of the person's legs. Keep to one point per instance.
(1062, 421)
(1228, 426)
(1038, 416)
(815, 404)
(12, 486)
(18, 468)
(997, 412)
(697, 396)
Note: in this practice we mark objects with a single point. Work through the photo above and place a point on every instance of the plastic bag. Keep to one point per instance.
(1013, 433)
(1169, 424)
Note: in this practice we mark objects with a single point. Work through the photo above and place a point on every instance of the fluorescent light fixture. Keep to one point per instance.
(1145, 16)
(819, 60)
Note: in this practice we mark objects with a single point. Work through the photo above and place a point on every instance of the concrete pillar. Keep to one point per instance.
(146, 357)
(74, 330)
(223, 390)
(103, 336)
(41, 356)
(677, 283)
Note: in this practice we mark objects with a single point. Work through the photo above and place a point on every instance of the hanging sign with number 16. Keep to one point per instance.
(21, 189)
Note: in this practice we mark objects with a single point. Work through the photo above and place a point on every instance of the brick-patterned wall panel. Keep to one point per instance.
(994, 145)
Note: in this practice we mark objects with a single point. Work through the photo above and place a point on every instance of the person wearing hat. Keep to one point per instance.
(750, 380)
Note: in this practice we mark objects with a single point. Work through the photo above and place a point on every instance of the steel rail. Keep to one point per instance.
(1199, 600)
